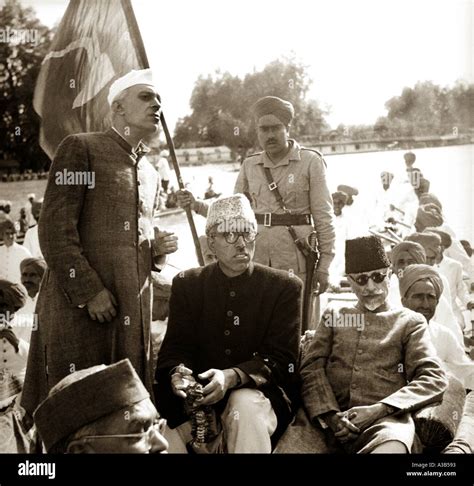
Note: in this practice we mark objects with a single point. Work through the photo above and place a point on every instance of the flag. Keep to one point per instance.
(96, 43)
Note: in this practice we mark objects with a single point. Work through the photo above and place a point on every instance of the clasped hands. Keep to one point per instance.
(219, 382)
(349, 424)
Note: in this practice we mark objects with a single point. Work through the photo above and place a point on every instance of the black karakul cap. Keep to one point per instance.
(365, 254)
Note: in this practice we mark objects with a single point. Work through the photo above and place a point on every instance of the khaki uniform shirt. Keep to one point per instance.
(301, 180)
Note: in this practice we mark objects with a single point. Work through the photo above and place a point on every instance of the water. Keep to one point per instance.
(449, 169)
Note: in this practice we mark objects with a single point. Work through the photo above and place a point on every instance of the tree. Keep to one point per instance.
(428, 109)
(221, 106)
(24, 44)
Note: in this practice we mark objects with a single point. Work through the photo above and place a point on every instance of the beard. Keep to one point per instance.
(373, 301)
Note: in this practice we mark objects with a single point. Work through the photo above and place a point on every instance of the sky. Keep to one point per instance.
(359, 53)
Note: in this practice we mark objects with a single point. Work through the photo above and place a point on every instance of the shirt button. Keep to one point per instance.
(226, 332)
(4, 360)
(230, 313)
(232, 293)
(227, 351)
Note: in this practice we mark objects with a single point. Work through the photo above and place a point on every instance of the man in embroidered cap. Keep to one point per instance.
(368, 366)
(421, 287)
(101, 409)
(100, 244)
(234, 325)
(298, 175)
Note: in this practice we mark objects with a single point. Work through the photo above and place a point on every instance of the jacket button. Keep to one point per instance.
(353, 385)
(227, 351)
(232, 293)
(230, 313)
(360, 351)
(356, 368)
(226, 332)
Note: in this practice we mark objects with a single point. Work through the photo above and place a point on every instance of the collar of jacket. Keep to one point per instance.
(293, 154)
(136, 153)
(222, 278)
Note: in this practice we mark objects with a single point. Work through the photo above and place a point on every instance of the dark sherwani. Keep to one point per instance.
(93, 238)
(251, 322)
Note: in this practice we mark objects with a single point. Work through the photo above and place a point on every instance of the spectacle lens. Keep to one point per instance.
(363, 279)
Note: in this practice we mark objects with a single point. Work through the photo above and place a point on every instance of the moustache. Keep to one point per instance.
(371, 294)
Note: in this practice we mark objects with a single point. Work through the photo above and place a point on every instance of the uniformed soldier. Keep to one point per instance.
(300, 175)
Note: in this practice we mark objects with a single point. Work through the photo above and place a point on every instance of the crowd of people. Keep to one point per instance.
(248, 362)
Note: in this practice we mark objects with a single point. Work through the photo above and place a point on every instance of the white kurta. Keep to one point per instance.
(337, 267)
(10, 259)
(452, 354)
(31, 242)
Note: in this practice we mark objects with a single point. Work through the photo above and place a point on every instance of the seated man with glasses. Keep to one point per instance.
(367, 368)
(234, 326)
(102, 409)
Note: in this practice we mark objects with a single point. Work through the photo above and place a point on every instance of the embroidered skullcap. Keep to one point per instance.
(231, 212)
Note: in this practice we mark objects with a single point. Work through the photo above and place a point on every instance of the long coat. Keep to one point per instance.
(95, 231)
(250, 322)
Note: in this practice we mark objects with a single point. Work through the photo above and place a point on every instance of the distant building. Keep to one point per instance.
(203, 155)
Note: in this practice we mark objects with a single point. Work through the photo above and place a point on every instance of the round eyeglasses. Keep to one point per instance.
(363, 279)
(158, 426)
(232, 237)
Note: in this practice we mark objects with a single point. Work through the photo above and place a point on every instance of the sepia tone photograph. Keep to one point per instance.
(241, 229)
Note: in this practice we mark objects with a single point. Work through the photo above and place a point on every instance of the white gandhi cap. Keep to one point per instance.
(134, 77)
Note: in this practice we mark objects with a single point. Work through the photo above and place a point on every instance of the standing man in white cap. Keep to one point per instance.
(235, 325)
(98, 239)
(297, 196)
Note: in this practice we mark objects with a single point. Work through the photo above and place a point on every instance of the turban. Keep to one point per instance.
(428, 215)
(37, 264)
(12, 294)
(271, 105)
(446, 239)
(232, 213)
(134, 77)
(430, 198)
(339, 196)
(350, 191)
(429, 241)
(415, 250)
(86, 396)
(415, 273)
(365, 254)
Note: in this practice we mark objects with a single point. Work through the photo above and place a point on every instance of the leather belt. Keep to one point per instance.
(270, 219)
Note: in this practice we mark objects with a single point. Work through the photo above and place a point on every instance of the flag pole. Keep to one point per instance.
(133, 26)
